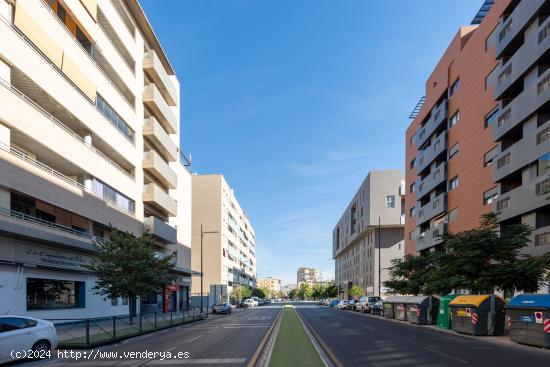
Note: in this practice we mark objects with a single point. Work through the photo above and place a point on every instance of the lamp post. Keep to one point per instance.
(202, 272)
(379, 260)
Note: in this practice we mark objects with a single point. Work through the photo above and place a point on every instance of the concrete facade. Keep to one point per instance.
(307, 275)
(273, 284)
(229, 253)
(89, 137)
(362, 249)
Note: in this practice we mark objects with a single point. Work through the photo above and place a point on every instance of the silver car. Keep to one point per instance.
(221, 308)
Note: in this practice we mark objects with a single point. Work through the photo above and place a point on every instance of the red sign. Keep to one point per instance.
(547, 326)
(509, 321)
(538, 317)
(474, 318)
(417, 310)
(172, 287)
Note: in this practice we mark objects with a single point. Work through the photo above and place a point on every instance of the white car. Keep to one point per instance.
(342, 305)
(249, 303)
(22, 337)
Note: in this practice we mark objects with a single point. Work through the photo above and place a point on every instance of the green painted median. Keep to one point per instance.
(293, 346)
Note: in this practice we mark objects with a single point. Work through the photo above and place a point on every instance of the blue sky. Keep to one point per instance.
(294, 101)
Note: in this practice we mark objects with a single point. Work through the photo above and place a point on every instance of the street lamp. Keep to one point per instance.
(202, 272)
(379, 260)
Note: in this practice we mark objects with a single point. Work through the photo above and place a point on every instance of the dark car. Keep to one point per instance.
(221, 308)
(377, 308)
(370, 304)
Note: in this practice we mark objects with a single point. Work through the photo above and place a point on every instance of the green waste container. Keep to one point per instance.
(444, 316)
(471, 314)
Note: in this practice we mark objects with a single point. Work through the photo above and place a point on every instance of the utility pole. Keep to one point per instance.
(379, 259)
(202, 272)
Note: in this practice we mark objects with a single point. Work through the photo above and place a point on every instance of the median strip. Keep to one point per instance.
(293, 346)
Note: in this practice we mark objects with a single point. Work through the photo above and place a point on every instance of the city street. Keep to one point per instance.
(363, 340)
(221, 340)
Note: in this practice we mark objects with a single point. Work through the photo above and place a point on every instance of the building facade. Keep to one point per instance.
(450, 152)
(89, 137)
(228, 252)
(522, 130)
(273, 284)
(369, 234)
(307, 275)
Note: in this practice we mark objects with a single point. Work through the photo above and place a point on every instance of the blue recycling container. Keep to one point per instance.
(528, 317)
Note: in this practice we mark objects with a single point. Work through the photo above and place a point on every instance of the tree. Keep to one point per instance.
(485, 259)
(127, 266)
(318, 291)
(410, 274)
(330, 291)
(240, 292)
(258, 292)
(293, 293)
(355, 291)
(267, 292)
(305, 291)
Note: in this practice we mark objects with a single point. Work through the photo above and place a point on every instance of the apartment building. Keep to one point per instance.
(450, 152)
(521, 84)
(89, 137)
(370, 233)
(273, 284)
(307, 275)
(228, 240)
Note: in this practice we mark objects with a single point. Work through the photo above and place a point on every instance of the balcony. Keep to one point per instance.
(430, 182)
(425, 157)
(153, 164)
(535, 45)
(438, 116)
(533, 97)
(155, 70)
(432, 209)
(160, 140)
(431, 237)
(523, 199)
(510, 28)
(153, 99)
(157, 198)
(533, 145)
(160, 229)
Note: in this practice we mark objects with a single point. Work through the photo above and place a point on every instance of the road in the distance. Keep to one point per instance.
(221, 340)
(363, 340)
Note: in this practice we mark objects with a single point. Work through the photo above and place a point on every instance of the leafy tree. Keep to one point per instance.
(240, 292)
(355, 291)
(258, 292)
(330, 291)
(318, 291)
(305, 291)
(411, 274)
(127, 266)
(293, 293)
(483, 259)
(267, 292)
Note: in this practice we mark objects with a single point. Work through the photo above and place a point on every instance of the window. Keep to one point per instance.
(413, 161)
(489, 196)
(390, 201)
(454, 119)
(412, 187)
(490, 118)
(15, 323)
(114, 117)
(489, 156)
(452, 215)
(453, 151)
(108, 193)
(544, 164)
(114, 301)
(454, 87)
(412, 211)
(453, 183)
(45, 294)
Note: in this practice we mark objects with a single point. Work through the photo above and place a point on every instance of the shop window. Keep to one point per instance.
(43, 294)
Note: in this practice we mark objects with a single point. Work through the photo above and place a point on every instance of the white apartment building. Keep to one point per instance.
(307, 275)
(370, 234)
(228, 252)
(89, 137)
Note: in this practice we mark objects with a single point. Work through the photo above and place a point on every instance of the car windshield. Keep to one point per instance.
(373, 299)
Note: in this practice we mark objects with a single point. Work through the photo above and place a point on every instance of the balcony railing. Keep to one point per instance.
(50, 117)
(44, 223)
(24, 157)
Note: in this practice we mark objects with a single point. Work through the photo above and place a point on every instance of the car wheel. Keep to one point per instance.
(41, 346)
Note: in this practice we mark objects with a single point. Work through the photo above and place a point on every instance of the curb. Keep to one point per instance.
(327, 355)
(254, 361)
(265, 356)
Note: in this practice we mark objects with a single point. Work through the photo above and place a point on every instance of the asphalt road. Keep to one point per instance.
(364, 340)
(221, 340)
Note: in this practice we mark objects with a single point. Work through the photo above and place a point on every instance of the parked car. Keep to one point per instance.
(342, 305)
(361, 303)
(221, 308)
(24, 334)
(370, 304)
(250, 303)
(334, 303)
(377, 308)
(351, 305)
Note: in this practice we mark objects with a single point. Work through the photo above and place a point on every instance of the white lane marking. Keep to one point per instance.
(446, 355)
(195, 338)
(244, 327)
(250, 324)
(223, 361)
(369, 327)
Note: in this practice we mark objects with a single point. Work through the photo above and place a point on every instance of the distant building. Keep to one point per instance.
(273, 284)
(307, 275)
(373, 219)
(287, 288)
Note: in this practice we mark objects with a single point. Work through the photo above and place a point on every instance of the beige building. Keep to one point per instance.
(307, 275)
(273, 284)
(89, 137)
(358, 237)
(229, 253)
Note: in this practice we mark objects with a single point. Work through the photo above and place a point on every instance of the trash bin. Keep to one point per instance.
(394, 308)
(471, 314)
(443, 316)
(422, 309)
(529, 319)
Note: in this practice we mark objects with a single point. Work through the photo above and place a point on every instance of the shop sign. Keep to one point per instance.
(48, 257)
